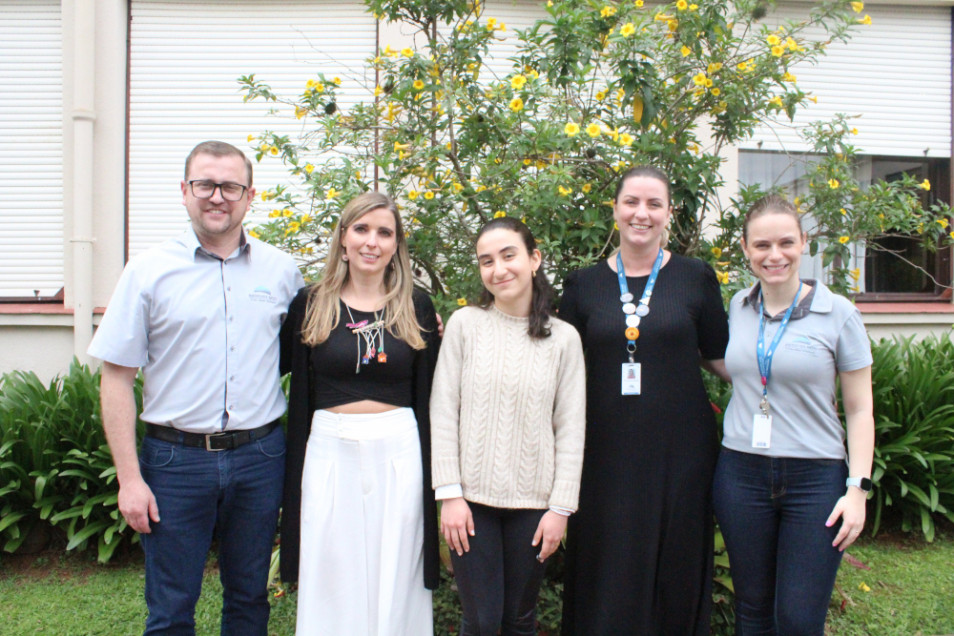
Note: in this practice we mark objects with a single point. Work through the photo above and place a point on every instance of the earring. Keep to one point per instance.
(344, 257)
(533, 274)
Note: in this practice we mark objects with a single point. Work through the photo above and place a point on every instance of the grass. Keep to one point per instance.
(907, 590)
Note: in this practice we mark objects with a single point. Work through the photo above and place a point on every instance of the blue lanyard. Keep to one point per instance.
(765, 357)
(635, 313)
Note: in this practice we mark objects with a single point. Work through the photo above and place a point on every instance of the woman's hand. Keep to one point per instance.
(457, 523)
(550, 531)
(851, 509)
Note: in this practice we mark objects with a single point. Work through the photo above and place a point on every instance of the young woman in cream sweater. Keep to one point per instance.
(507, 427)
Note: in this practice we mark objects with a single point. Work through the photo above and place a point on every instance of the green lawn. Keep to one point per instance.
(908, 590)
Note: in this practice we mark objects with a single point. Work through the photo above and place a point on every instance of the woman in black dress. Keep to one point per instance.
(639, 550)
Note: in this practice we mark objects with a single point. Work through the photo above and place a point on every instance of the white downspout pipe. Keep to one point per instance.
(83, 116)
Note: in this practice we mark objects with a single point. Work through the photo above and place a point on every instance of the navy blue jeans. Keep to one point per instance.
(499, 579)
(232, 495)
(772, 513)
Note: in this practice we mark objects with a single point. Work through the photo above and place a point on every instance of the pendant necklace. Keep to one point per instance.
(373, 335)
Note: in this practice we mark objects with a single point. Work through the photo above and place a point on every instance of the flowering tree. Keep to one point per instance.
(594, 88)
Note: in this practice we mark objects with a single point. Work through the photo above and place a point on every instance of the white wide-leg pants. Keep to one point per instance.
(362, 532)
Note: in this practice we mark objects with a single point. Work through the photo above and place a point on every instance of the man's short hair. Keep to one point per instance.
(218, 149)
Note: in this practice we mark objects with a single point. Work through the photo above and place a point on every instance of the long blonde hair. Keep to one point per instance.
(324, 310)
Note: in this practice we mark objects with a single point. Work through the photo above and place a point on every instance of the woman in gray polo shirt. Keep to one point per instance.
(787, 501)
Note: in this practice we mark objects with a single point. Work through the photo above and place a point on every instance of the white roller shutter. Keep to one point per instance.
(31, 148)
(896, 73)
(185, 59)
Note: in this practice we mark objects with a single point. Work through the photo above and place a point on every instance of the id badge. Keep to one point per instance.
(761, 431)
(631, 378)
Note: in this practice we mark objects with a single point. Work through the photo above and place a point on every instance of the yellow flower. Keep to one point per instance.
(600, 95)
(943, 223)
(517, 82)
(708, 83)
(673, 25)
(407, 52)
(627, 30)
(413, 194)
(723, 277)
(699, 79)
(565, 191)
(685, 50)
(773, 40)
(332, 193)
(742, 66)
(778, 51)
(855, 273)
(428, 195)
(951, 235)
(491, 23)
(854, 131)
(843, 211)
(843, 239)
(462, 302)
(336, 81)
(273, 150)
(638, 3)
(714, 67)
(300, 112)
(378, 90)
(309, 168)
(305, 218)
(857, 7)
(311, 85)
(862, 586)
(833, 183)
(253, 234)
(251, 137)
(586, 188)
(458, 188)
(499, 214)
(788, 77)
(287, 213)
(266, 195)
(716, 92)
(865, 20)
(693, 6)
(418, 85)
(925, 185)
(682, 5)
(593, 130)
(716, 251)
(607, 12)
(626, 139)
(777, 100)
(294, 226)
(571, 129)
(533, 73)
(274, 214)
(792, 45)
(516, 104)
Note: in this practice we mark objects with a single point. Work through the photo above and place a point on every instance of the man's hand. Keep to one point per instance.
(138, 505)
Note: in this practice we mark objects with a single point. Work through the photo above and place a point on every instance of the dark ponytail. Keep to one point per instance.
(541, 301)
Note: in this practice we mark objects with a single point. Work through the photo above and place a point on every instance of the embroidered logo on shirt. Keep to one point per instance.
(803, 344)
(262, 294)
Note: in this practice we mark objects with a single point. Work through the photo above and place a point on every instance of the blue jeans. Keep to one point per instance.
(499, 578)
(233, 495)
(772, 512)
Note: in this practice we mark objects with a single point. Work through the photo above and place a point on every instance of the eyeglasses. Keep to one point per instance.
(204, 189)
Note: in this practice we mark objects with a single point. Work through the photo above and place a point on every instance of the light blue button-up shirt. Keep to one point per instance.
(204, 331)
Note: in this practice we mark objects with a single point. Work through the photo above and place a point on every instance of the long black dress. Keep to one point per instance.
(639, 550)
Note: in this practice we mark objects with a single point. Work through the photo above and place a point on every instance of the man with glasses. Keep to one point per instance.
(200, 315)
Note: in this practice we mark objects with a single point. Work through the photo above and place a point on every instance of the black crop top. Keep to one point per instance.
(334, 381)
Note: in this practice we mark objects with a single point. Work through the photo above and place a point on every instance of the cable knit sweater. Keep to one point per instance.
(508, 411)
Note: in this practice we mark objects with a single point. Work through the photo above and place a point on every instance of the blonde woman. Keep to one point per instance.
(359, 521)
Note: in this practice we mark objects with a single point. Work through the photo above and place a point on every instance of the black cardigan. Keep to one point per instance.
(295, 360)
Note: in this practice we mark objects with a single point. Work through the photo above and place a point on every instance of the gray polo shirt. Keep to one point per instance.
(825, 336)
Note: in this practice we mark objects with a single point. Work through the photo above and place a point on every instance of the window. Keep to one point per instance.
(897, 268)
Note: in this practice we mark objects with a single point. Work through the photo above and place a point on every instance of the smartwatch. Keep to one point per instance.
(859, 482)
